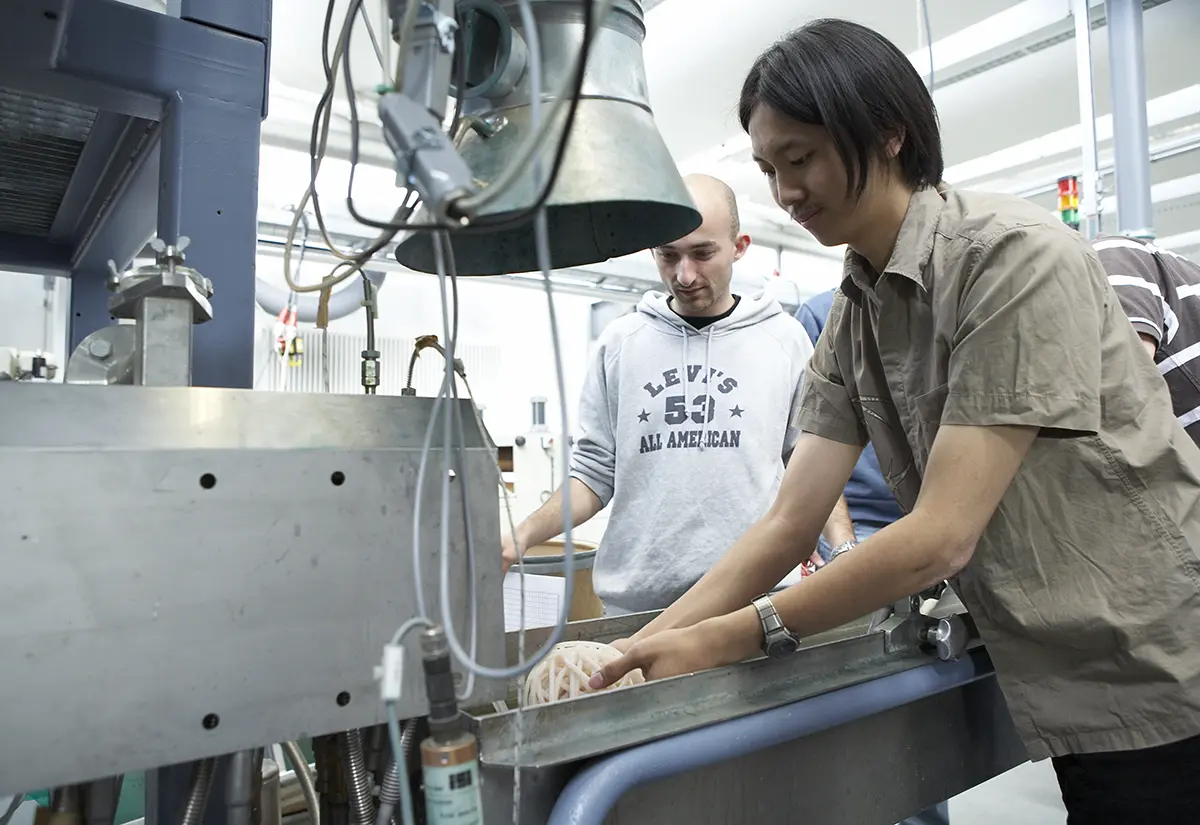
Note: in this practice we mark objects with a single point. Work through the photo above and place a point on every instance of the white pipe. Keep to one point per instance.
(1091, 199)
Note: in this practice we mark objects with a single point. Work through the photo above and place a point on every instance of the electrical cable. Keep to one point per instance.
(542, 243)
(393, 724)
(366, 18)
(318, 142)
(569, 96)
(534, 44)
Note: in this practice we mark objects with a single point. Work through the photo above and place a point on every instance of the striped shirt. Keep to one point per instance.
(1160, 292)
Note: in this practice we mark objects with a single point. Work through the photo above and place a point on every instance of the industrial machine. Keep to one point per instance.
(195, 572)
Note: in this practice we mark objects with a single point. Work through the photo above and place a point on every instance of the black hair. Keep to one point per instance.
(854, 82)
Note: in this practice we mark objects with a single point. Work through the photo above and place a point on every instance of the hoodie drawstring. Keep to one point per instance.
(705, 413)
(708, 414)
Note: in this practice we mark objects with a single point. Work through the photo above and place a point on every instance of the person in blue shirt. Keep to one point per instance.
(872, 505)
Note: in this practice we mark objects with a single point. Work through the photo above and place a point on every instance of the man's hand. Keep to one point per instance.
(670, 653)
(711, 643)
(510, 551)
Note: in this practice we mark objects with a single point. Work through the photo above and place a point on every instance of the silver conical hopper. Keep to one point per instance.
(618, 190)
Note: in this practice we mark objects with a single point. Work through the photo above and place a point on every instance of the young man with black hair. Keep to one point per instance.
(978, 345)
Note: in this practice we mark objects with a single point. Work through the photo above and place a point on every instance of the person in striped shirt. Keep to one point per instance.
(1160, 292)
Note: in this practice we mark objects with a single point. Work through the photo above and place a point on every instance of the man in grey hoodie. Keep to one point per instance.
(685, 421)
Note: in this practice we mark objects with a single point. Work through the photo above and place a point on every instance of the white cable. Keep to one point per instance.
(534, 48)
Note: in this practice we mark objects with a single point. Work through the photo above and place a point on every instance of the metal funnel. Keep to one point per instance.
(618, 190)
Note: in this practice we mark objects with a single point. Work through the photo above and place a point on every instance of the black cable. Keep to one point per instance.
(482, 225)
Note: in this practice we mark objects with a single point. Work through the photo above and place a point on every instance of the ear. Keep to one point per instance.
(895, 144)
(740, 244)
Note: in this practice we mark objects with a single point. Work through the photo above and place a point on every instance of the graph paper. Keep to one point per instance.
(543, 601)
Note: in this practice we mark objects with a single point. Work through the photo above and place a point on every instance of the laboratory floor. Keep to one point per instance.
(1028, 795)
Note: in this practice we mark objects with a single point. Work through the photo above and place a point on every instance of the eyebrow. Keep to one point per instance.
(703, 246)
(790, 143)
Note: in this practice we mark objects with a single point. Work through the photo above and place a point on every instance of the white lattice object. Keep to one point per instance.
(565, 672)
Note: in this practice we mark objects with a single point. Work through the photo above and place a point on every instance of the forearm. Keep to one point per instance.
(547, 521)
(839, 529)
(903, 558)
(753, 565)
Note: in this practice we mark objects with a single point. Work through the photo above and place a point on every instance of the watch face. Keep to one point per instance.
(782, 647)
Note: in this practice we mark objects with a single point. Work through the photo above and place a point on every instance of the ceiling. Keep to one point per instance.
(697, 51)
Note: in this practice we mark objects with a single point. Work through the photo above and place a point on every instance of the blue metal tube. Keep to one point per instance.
(593, 792)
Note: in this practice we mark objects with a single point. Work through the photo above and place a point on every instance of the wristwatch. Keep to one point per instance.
(778, 641)
(842, 548)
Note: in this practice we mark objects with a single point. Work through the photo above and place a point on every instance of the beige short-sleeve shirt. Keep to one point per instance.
(1086, 583)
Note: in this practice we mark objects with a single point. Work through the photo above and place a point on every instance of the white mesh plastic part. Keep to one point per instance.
(565, 672)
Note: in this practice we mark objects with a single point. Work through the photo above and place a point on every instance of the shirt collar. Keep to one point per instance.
(914, 246)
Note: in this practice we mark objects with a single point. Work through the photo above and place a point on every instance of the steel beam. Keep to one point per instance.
(1131, 132)
(89, 305)
(27, 41)
(109, 157)
(248, 19)
(126, 219)
(22, 253)
(156, 55)
(208, 191)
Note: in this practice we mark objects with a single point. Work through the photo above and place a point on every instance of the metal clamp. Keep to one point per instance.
(948, 637)
(167, 277)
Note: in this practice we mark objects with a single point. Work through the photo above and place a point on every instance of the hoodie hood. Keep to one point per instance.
(751, 310)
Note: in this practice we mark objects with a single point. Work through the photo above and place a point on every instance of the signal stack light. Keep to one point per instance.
(1068, 201)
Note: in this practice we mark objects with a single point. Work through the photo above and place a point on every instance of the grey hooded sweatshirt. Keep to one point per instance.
(685, 433)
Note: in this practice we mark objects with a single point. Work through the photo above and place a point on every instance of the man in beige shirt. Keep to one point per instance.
(978, 345)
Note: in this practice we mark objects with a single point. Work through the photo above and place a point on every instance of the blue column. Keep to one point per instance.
(208, 191)
(1131, 132)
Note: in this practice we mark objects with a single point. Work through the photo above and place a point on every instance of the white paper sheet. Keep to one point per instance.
(543, 600)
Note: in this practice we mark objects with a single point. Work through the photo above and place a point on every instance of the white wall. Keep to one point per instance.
(31, 319)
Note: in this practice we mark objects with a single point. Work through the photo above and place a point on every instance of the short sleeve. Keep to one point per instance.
(826, 408)
(1027, 345)
(1135, 276)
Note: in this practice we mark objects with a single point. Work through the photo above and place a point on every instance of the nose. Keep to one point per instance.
(788, 193)
(685, 274)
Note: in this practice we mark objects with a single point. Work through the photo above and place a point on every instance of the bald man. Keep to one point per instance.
(685, 417)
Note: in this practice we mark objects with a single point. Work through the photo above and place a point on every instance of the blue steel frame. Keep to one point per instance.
(174, 151)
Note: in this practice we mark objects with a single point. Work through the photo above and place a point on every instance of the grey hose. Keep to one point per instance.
(197, 798)
(389, 791)
(342, 302)
(362, 804)
(305, 778)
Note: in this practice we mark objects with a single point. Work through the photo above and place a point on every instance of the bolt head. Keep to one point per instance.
(100, 349)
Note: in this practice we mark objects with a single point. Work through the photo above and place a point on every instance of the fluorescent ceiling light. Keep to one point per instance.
(1171, 190)
(1012, 33)
(1183, 240)
(1159, 112)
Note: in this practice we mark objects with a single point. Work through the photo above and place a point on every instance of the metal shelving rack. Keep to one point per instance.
(119, 123)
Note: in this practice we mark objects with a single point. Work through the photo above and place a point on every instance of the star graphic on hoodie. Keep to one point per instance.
(643, 416)
(736, 412)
